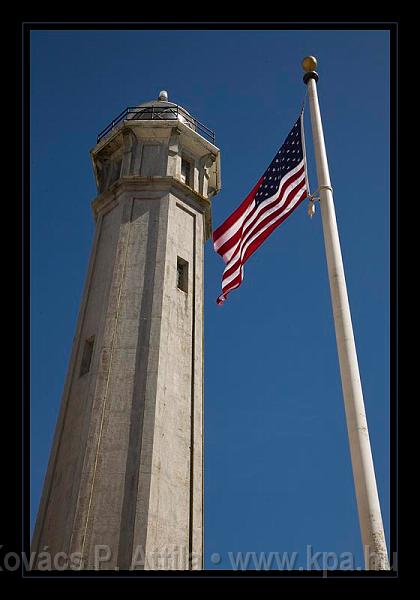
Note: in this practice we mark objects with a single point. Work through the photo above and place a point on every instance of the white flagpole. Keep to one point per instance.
(373, 538)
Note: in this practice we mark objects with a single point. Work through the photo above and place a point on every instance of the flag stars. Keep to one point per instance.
(283, 162)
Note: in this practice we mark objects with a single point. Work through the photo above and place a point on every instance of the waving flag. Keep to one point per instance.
(274, 197)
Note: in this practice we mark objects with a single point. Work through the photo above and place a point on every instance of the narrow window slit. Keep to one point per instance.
(186, 171)
(182, 274)
(87, 356)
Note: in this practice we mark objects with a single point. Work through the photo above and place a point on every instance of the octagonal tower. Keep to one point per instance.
(124, 485)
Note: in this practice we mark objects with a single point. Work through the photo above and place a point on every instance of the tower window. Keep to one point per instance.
(115, 170)
(87, 356)
(118, 165)
(182, 274)
(186, 171)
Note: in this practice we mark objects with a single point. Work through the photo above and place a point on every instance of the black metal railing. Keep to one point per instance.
(163, 113)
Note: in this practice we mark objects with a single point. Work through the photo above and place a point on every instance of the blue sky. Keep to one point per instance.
(277, 464)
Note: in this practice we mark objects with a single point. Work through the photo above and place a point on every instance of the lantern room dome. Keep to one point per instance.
(162, 109)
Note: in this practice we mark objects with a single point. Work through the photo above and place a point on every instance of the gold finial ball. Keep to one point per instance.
(309, 63)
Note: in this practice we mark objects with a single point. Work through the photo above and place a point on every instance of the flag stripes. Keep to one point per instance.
(252, 222)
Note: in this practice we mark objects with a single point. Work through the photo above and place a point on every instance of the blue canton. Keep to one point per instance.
(287, 158)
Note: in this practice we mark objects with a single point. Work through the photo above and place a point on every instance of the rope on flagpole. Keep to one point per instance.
(314, 197)
(304, 101)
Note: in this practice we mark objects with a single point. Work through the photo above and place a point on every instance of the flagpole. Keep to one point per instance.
(373, 537)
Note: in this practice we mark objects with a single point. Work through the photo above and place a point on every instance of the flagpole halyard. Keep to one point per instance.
(304, 147)
(373, 538)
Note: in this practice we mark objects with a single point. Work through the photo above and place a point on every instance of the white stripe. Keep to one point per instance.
(232, 276)
(229, 289)
(227, 257)
(233, 228)
(256, 218)
(302, 131)
(256, 235)
(237, 224)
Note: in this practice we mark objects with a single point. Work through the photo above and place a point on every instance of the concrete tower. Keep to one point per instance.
(125, 477)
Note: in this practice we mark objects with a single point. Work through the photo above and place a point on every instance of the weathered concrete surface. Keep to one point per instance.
(124, 482)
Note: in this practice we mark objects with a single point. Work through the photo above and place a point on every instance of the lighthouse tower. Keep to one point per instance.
(124, 485)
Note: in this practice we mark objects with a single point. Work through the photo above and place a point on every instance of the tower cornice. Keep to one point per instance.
(152, 126)
(167, 183)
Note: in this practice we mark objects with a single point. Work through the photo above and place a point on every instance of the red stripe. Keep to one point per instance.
(260, 225)
(232, 285)
(251, 249)
(236, 258)
(269, 218)
(238, 212)
(250, 221)
(264, 235)
(230, 243)
(279, 198)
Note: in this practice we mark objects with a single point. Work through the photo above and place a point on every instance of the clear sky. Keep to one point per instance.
(277, 464)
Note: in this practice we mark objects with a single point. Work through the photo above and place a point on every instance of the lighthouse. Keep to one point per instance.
(124, 484)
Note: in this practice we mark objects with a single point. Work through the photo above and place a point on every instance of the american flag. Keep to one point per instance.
(274, 197)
